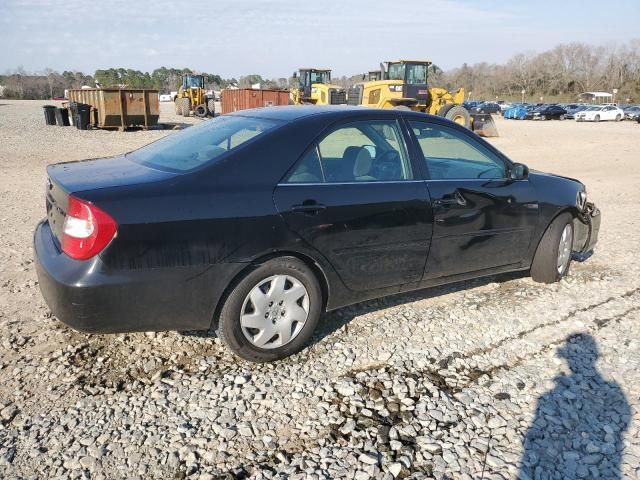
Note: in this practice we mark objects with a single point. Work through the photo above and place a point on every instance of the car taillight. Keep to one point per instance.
(87, 230)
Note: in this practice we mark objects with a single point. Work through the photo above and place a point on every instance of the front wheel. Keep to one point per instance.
(553, 256)
(272, 311)
(597, 118)
(618, 117)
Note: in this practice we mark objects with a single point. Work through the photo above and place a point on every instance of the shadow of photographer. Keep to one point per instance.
(579, 425)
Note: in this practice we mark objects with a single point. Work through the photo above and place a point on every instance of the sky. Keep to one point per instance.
(275, 37)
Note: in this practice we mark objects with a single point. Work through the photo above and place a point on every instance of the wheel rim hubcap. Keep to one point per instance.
(564, 248)
(274, 312)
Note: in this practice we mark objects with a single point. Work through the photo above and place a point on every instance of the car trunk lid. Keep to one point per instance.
(73, 178)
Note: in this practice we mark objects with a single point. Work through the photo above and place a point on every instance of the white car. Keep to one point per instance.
(600, 112)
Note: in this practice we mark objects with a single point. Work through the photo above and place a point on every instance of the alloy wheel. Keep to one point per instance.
(564, 249)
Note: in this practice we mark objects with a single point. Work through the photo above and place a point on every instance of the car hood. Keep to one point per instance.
(100, 173)
(554, 175)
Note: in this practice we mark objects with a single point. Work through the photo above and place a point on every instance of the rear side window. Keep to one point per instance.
(201, 144)
(364, 151)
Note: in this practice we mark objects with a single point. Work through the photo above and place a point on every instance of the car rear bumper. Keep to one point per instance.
(587, 227)
(88, 297)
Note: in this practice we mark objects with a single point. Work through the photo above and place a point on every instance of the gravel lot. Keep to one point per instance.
(491, 379)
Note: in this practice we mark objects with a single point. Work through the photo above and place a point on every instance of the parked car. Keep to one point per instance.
(547, 112)
(518, 112)
(597, 113)
(572, 111)
(631, 111)
(256, 222)
(486, 107)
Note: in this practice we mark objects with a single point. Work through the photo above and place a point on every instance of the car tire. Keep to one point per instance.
(200, 110)
(243, 340)
(561, 117)
(543, 117)
(618, 117)
(178, 106)
(596, 118)
(551, 261)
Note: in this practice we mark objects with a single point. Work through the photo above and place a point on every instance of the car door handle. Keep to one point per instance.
(308, 208)
(457, 199)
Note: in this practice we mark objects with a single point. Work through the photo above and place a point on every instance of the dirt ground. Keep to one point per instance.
(605, 156)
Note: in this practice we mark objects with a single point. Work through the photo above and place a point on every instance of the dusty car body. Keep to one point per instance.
(223, 224)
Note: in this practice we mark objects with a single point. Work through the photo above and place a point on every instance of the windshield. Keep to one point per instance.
(320, 77)
(201, 144)
(193, 82)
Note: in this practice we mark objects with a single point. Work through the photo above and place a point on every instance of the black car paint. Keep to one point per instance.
(183, 239)
(547, 111)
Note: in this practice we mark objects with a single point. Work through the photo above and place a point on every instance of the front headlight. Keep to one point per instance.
(581, 200)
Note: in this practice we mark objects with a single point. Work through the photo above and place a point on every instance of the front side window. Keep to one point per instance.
(450, 154)
(201, 144)
(396, 71)
(366, 151)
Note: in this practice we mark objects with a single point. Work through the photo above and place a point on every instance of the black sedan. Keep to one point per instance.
(547, 112)
(486, 107)
(256, 222)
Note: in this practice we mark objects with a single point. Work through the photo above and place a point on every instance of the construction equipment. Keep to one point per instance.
(403, 84)
(315, 88)
(192, 96)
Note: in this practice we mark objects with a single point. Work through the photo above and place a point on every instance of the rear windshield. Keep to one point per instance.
(201, 144)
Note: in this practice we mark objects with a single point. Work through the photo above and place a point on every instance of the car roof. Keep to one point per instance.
(295, 112)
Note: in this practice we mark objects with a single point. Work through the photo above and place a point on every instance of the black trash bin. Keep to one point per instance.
(62, 117)
(81, 117)
(49, 114)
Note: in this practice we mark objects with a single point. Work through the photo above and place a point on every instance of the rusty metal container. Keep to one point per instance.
(119, 107)
(245, 98)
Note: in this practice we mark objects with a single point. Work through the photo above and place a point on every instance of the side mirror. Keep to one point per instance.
(363, 77)
(519, 171)
(295, 74)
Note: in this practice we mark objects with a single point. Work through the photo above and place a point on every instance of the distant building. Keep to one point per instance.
(596, 97)
(1, 90)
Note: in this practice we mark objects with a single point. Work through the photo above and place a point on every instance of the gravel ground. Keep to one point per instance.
(496, 378)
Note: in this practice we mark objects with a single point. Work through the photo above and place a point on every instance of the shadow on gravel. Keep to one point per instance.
(579, 426)
(339, 318)
(335, 320)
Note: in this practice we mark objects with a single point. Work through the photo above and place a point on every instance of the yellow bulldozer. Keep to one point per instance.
(315, 88)
(403, 84)
(192, 97)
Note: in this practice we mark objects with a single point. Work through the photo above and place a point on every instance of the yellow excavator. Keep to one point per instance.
(315, 88)
(192, 97)
(403, 84)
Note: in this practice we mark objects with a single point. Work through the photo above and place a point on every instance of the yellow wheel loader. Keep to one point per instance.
(315, 88)
(192, 97)
(403, 84)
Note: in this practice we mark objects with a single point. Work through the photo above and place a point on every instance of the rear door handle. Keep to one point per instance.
(308, 208)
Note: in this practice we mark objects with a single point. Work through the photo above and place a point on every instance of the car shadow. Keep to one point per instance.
(336, 319)
(579, 425)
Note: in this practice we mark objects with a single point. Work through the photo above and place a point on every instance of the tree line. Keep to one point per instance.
(557, 74)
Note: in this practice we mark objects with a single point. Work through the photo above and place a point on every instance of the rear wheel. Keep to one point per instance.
(186, 106)
(272, 312)
(459, 115)
(596, 118)
(553, 256)
(618, 117)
